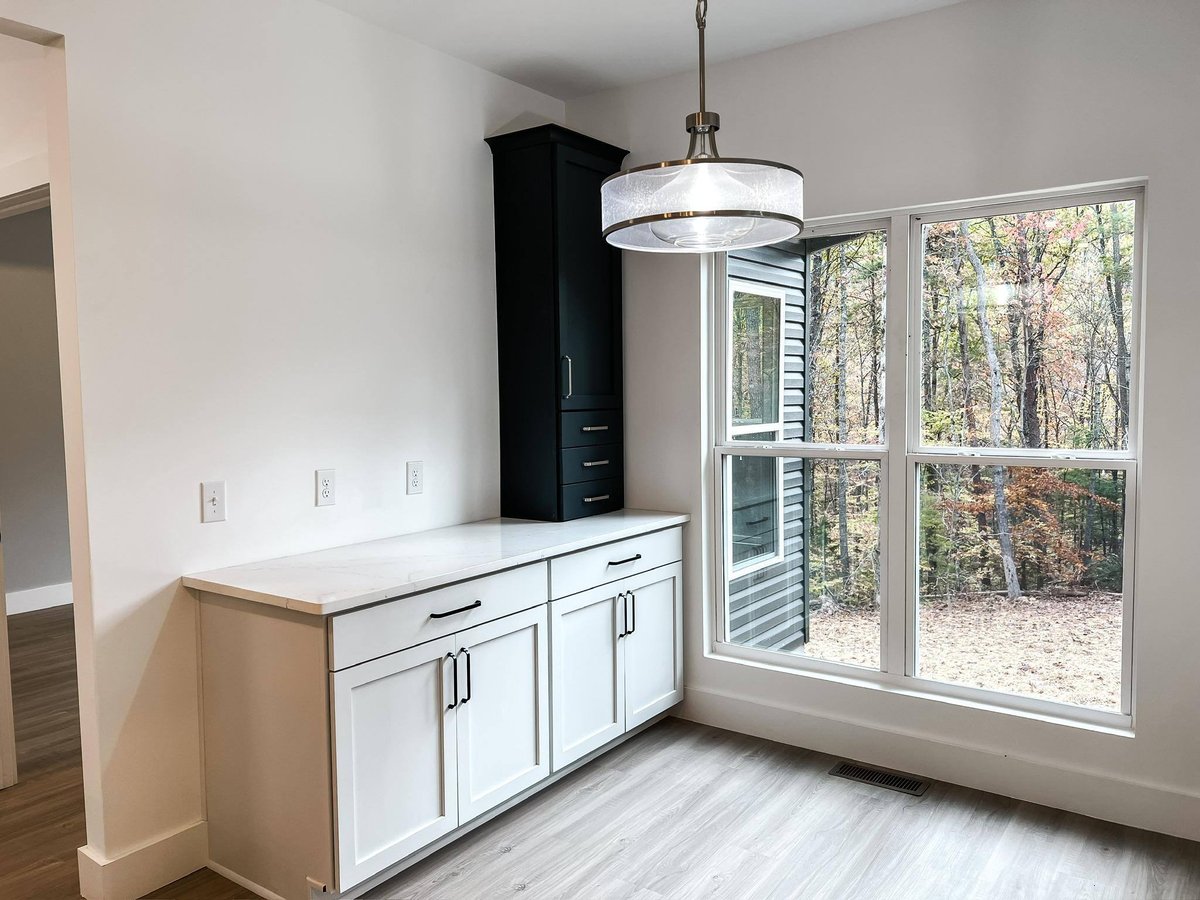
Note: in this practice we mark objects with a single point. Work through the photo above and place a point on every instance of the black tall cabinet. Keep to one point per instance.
(559, 311)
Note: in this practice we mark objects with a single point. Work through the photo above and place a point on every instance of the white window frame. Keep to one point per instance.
(902, 452)
(745, 286)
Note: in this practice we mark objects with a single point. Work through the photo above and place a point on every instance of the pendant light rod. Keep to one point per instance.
(701, 21)
(702, 125)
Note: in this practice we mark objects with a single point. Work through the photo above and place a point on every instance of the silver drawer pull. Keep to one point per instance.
(597, 498)
(595, 462)
(594, 428)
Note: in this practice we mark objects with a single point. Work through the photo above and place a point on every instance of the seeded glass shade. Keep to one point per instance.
(700, 205)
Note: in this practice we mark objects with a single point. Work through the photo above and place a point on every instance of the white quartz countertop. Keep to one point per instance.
(343, 578)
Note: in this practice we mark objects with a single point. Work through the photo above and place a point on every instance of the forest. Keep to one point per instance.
(1025, 336)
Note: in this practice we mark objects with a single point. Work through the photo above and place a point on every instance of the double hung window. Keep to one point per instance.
(926, 450)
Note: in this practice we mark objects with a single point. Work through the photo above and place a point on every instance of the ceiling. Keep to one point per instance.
(567, 48)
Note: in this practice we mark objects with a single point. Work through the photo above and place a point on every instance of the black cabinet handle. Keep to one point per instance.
(597, 498)
(467, 653)
(594, 428)
(633, 627)
(454, 658)
(622, 562)
(759, 521)
(595, 462)
(624, 598)
(455, 612)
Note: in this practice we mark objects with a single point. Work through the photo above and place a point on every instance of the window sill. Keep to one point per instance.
(1097, 721)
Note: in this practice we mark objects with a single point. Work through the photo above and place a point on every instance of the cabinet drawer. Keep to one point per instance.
(592, 463)
(364, 634)
(588, 498)
(600, 565)
(587, 429)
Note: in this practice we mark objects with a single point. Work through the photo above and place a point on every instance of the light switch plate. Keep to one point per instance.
(414, 477)
(326, 488)
(212, 501)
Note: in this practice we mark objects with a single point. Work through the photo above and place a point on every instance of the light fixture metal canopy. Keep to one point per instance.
(703, 203)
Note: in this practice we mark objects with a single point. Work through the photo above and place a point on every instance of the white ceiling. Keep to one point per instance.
(567, 48)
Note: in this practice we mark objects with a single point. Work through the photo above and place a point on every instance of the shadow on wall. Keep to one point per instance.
(33, 489)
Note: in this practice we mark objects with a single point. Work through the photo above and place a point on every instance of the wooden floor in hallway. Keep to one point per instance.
(41, 816)
(681, 811)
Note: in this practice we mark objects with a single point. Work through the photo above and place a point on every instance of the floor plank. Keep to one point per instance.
(681, 811)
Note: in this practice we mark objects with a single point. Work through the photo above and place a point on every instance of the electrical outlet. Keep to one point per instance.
(414, 477)
(326, 488)
(212, 501)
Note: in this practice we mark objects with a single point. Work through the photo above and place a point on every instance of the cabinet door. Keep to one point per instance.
(589, 299)
(588, 684)
(504, 716)
(653, 644)
(395, 763)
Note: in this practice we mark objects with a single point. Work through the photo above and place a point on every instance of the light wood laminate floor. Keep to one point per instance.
(680, 811)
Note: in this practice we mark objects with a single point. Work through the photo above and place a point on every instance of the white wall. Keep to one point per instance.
(33, 485)
(23, 158)
(973, 100)
(283, 260)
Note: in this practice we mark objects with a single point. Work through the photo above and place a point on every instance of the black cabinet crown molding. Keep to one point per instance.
(558, 294)
(541, 135)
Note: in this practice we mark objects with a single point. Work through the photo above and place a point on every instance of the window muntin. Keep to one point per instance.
(903, 453)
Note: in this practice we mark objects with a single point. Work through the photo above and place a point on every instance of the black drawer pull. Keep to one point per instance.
(470, 692)
(451, 656)
(759, 521)
(622, 562)
(594, 428)
(595, 462)
(455, 612)
(597, 498)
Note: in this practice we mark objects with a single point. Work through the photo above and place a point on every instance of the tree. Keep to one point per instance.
(1003, 531)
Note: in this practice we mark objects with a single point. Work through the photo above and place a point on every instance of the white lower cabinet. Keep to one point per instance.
(653, 644)
(588, 684)
(429, 738)
(504, 716)
(396, 757)
(616, 659)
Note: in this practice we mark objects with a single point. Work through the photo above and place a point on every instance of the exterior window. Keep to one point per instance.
(977, 486)
(756, 414)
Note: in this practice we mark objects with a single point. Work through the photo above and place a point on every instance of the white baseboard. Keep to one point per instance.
(243, 882)
(145, 869)
(1138, 804)
(38, 598)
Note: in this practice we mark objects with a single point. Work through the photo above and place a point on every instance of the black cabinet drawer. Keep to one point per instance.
(587, 429)
(591, 497)
(592, 463)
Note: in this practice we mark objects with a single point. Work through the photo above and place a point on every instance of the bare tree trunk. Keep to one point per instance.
(1116, 305)
(843, 425)
(1003, 529)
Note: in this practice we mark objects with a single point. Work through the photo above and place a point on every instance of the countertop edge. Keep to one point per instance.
(205, 581)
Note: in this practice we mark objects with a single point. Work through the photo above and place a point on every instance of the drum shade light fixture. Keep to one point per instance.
(703, 203)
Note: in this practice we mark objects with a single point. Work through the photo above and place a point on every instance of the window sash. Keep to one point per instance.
(902, 453)
(737, 285)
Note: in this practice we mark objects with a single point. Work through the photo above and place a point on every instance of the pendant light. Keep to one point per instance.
(704, 203)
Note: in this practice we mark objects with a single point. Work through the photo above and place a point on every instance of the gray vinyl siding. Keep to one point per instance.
(767, 606)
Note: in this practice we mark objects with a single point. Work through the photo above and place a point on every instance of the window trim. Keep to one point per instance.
(780, 295)
(901, 453)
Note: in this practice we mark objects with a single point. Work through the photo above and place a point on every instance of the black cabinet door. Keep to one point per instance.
(589, 304)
